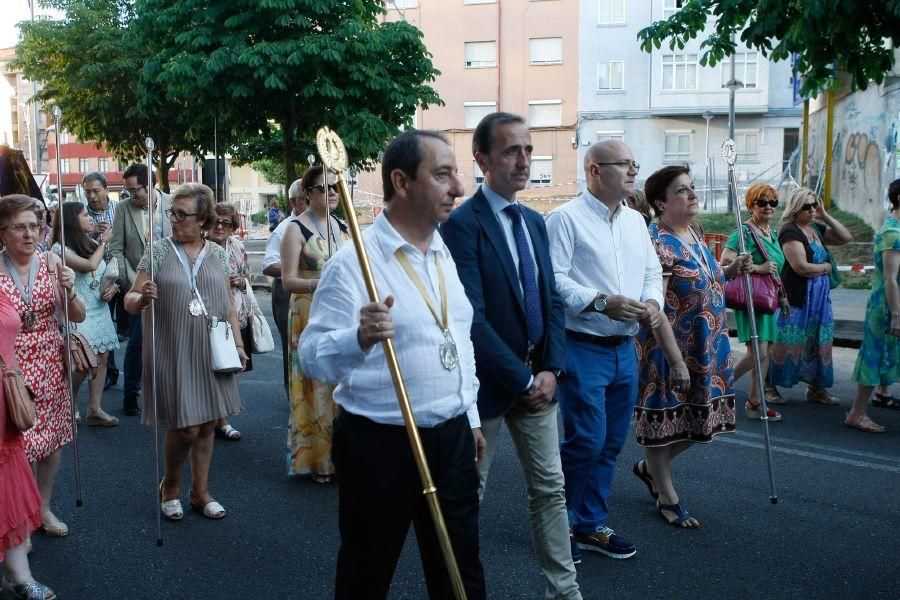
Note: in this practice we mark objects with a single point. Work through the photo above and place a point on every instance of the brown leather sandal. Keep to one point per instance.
(863, 423)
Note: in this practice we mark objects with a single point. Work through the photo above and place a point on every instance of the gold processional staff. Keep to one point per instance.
(334, 157)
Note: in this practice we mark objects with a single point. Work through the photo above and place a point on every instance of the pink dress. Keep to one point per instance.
(40, 356)
(20, 502)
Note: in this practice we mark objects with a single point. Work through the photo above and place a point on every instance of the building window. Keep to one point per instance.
(473, 112)
(545, 113)
(678, 145)
(616, 136)
(103, 167)
(481, 54)
(64, 137)
(479, 176)
(64, 165)
(610, 75)
(670, 7)
(679, 72)
(546, 51)
(541, 170)
(610, 11)
(83, 165)
(747, 143)
(745, 66)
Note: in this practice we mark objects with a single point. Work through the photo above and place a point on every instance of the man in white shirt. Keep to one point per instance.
(379, 487)
(271, 265)
(610, 279)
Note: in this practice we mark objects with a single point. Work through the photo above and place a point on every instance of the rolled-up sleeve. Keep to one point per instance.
(575, 296)
(329, 349)
(653, 288)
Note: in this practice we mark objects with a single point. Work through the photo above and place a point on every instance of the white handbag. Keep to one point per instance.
(223, 350)
(262, 334)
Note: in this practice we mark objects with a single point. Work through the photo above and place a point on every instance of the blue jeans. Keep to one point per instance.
(596, 401)
(133, 356)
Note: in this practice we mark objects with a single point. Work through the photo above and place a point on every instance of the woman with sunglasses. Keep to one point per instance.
(239, 273)
(304, 251)
(761, 201)
(802, 349)
(86, 257)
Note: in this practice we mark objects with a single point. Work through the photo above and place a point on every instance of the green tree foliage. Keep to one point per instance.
(827, 35)
(272, 170)
(274, 71)
(92, 65)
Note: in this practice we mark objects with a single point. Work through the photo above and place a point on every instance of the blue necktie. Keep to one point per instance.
(534, 319)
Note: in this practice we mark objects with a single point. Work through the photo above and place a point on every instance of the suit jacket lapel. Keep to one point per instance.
(498, 240)
(138, 222)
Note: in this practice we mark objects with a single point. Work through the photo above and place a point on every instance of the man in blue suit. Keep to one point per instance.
(501, 253)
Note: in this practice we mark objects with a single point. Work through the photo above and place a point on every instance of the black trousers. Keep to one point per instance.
(281, 305)
(381, 493)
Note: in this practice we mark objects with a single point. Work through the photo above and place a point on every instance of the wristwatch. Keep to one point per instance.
(559, 374)
(600, 303)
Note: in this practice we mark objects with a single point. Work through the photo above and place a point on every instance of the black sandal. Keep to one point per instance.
(644, 476)
(885, 401)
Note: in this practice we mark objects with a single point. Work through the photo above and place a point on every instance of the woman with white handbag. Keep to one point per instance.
(198, 346)
(238, 280)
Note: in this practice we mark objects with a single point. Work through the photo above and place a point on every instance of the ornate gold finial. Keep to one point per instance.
(331, 149)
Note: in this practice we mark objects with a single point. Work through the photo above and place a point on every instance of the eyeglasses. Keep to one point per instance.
(224, 224)
(21, 228)
(133, 191)
(762, 203)
(625, 164)
(177, 216)
(810, 206)
(321, 188)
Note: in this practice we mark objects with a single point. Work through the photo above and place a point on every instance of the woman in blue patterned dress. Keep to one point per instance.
(668, 422)
(88, 259)
(802, 348)
(878, 362)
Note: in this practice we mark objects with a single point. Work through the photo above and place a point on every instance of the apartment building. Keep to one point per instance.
(656, 102)
(519, 56)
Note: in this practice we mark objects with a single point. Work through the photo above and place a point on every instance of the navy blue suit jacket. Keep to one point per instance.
(488, 273)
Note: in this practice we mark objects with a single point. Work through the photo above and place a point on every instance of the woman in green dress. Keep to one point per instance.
(761, 201)
(878, 361)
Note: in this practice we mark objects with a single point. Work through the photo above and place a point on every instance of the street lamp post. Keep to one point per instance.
(36, 165)
(733, 85)
(708, 116)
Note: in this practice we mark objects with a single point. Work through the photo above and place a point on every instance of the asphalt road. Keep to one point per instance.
(832, 534)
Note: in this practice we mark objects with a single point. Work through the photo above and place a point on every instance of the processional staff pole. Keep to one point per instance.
(73, 401)
(334, 157)
(729, 153)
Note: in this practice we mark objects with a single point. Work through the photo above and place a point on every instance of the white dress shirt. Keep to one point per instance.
(330, 352)
(498, 203)
(273, 246)
(592, 253)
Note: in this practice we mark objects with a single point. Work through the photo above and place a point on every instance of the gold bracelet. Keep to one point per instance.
(309, 285)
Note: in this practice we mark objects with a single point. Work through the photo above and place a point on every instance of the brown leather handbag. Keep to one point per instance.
(83, 356)
(19, 400)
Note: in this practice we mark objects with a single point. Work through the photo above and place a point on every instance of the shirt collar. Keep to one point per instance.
(599, 207)
(495, 200)
(389, 239)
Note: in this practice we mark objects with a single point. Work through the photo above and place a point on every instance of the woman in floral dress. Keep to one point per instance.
(668, 422)
(35, 284)
(878, 361)
(310, 241)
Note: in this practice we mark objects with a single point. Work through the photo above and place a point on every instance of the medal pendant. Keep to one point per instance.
(195, 308)
(95, 284)
(29, 319)
(449, 353)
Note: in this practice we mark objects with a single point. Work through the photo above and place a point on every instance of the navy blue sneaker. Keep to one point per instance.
(576, 551)
(605, 541)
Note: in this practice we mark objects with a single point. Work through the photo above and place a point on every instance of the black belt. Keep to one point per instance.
(607, 341)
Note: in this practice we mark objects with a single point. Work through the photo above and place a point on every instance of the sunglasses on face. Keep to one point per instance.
(764, 203)
(810, 206)
(224, 224)
(321, 188)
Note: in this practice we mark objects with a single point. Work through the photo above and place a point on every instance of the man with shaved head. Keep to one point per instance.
(610, 279)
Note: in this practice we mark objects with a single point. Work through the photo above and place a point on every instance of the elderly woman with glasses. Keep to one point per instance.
(191, 284)
(222, 233)
(35, 284)
(312, 238)
(761, 200)
(802, 349)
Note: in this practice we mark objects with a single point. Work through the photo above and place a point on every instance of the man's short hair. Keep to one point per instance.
(296, 190)
(139, 170)
(894, 194)
(94, 176)
(404, 153)
(484, 132)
